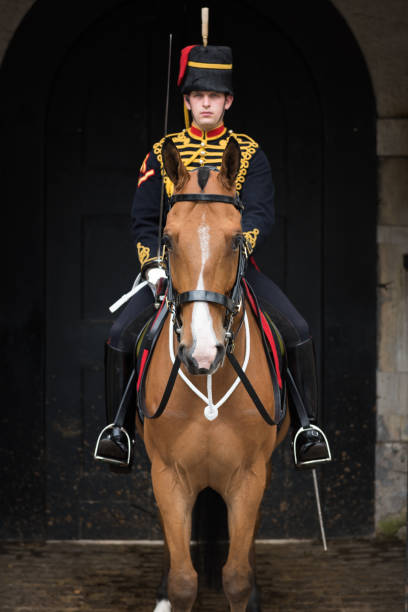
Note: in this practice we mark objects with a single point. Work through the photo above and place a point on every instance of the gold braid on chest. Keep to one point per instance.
(195, 153)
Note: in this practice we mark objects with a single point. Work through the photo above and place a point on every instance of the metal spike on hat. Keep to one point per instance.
(204, 34)
(204, 25)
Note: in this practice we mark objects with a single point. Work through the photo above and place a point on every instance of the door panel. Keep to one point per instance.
(105, 112)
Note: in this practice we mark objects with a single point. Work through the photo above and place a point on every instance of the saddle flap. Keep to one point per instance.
(144, 350)
(274, 351)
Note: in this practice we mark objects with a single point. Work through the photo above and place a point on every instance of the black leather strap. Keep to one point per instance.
(120, 417)
(167, 391)
(297, 400)
(251, 391)
(242, 264)
(149, 342)
(201, 295)
(207, 197)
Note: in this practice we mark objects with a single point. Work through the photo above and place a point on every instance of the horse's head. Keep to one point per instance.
(203, 240)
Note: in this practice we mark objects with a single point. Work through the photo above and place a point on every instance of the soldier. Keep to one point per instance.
(205, 79)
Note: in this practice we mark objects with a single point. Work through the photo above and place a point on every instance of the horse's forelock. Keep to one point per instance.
(203, 175)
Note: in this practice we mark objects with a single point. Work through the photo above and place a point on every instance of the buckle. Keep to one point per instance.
(311, 462)
(99, 457)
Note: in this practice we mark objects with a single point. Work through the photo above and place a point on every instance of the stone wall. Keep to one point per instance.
(11, 14)
(381, 29)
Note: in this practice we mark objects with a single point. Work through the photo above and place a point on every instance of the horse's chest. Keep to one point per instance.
(211, 445)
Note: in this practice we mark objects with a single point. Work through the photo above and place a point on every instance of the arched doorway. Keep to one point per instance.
(96, 105)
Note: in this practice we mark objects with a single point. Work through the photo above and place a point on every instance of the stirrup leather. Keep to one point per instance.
(311, 462)
(108, 459)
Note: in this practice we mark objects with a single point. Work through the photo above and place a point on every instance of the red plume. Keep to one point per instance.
(183, 62)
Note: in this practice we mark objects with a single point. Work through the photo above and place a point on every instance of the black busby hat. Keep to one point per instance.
(205, 69)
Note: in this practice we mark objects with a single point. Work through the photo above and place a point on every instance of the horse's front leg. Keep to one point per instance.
(162, 595)
(175, 502)
(254, 601)
(243, 502)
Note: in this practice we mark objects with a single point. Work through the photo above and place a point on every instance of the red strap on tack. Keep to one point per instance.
(253, 262)
(142, 365)
(271, 340)
(145, 353)
(183, 62)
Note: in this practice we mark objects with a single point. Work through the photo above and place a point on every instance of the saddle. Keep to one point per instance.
(273, 346)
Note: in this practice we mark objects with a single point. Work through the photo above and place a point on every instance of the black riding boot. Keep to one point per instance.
(115, 444)
(310, 445)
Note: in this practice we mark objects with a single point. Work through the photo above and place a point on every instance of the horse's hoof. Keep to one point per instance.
(253, 607)
(163, 606)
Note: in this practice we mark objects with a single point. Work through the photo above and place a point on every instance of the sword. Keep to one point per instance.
(166, 116)
(319, 509)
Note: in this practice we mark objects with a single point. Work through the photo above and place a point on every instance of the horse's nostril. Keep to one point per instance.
(186, 357)
(220, 353)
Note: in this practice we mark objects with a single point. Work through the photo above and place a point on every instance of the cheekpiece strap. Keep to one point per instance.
(207, 197)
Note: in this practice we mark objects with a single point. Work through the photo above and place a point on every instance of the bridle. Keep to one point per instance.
(208, 197)
(232, 303)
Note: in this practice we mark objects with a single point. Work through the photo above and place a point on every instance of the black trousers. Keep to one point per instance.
(290, 323)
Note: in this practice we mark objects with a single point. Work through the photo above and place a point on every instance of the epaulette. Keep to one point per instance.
(248, 147)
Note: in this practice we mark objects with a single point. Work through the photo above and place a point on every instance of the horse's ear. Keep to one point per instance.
(231, 161)
(173, 164)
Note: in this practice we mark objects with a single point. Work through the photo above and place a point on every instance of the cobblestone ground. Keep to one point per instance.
(357, 575)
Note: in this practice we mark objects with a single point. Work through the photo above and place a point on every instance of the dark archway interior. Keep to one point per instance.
(83, 103)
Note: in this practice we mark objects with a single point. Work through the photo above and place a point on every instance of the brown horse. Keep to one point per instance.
(230, 453)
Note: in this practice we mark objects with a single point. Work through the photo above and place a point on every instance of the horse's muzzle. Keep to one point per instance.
(186, 356)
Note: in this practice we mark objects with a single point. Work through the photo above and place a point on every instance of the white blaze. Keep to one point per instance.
(201, 322)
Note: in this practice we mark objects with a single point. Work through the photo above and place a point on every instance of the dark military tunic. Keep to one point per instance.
(198, 148)
(254, 183)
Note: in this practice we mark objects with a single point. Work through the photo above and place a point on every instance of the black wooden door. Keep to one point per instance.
(91, 96)
(105, 112)
(99, 129)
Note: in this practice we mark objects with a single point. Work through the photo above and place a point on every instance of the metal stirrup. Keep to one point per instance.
(119, 422)
(311, 461)
(110, 459)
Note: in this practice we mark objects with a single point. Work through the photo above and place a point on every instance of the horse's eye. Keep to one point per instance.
(236, 241)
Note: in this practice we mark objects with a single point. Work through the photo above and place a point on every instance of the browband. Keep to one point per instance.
(207, 197)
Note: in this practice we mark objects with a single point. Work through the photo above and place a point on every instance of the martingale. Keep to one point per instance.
(274, 350)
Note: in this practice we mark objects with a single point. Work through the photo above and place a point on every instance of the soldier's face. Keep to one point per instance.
(207, 108)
